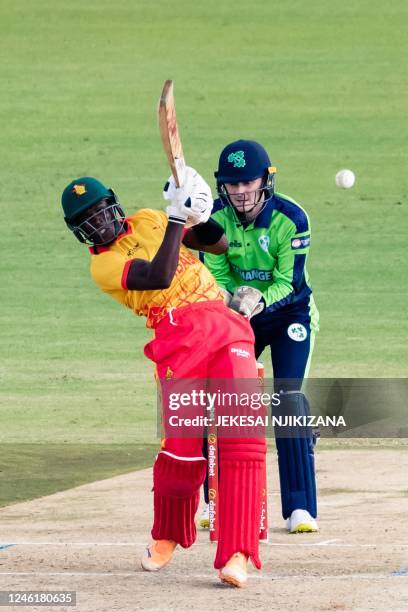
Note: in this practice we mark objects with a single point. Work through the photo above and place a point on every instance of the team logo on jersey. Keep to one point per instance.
(235, 244)
(300, 243)
(297, 332)
(240, 352)
(79, 190)
(264, 242)
(133, 250)
(237, 158)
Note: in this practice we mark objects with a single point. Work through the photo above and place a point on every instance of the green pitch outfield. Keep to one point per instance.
(320, 86)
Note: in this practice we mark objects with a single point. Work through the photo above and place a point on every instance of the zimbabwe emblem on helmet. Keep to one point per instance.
(79, 189)
(238, 159)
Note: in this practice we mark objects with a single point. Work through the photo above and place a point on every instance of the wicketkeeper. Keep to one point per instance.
(143, 262)
(269, 241)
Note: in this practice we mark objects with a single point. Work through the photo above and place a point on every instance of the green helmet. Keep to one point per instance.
(80, 195)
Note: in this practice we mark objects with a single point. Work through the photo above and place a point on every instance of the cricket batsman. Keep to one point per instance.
(143, 262)
(263, 273)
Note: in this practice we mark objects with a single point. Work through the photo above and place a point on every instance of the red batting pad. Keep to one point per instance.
(241, 483)
(176, 496)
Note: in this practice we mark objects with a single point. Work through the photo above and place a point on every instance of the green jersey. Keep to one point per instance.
(270, 253)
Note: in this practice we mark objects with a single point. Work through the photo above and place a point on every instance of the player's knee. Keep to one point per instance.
(294, 403)
(293, 412)
(242, 449)
(177, 477)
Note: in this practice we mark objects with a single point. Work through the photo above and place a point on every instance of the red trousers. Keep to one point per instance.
(206, 340)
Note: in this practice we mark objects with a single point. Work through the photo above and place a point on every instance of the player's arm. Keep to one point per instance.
(192, 203)
(289, 272)
(158, 273)
(208, 237)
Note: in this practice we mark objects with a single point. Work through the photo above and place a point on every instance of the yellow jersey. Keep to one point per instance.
(144, 234)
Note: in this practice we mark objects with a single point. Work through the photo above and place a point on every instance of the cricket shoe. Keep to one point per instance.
(301, 521)
(204, 520)
(158, 554)
(235, 572)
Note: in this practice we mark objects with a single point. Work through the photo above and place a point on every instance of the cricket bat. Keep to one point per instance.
(169, 133)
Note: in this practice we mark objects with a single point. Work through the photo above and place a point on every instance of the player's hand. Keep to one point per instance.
(192, 203)
(201, 201)
(247, 301)
(178, 197)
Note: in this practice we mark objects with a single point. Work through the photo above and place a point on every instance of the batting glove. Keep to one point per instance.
(192, 203)
(178, 197)
(248, 301)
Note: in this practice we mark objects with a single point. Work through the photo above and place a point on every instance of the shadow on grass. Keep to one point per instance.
(28, 471)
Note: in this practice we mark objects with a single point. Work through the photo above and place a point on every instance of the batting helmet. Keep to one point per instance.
(80, 195)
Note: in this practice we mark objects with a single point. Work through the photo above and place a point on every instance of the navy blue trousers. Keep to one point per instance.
(289, 333)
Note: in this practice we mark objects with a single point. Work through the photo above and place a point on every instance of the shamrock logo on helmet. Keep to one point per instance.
(237, 158)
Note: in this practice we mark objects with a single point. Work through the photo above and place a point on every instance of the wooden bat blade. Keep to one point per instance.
(170, 134)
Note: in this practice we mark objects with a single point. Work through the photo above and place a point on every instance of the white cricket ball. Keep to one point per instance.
(345, 179)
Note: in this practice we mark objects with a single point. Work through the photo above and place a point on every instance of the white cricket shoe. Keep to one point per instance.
(204, 520)
(234, 573)
(301, 521)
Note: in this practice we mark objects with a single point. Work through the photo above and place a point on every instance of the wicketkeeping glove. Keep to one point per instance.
(190, 204)
(247, 301)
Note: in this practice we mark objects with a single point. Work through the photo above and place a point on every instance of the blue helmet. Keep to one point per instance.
(242, 160)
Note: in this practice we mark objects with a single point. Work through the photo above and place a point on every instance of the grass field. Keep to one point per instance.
(322, 86)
